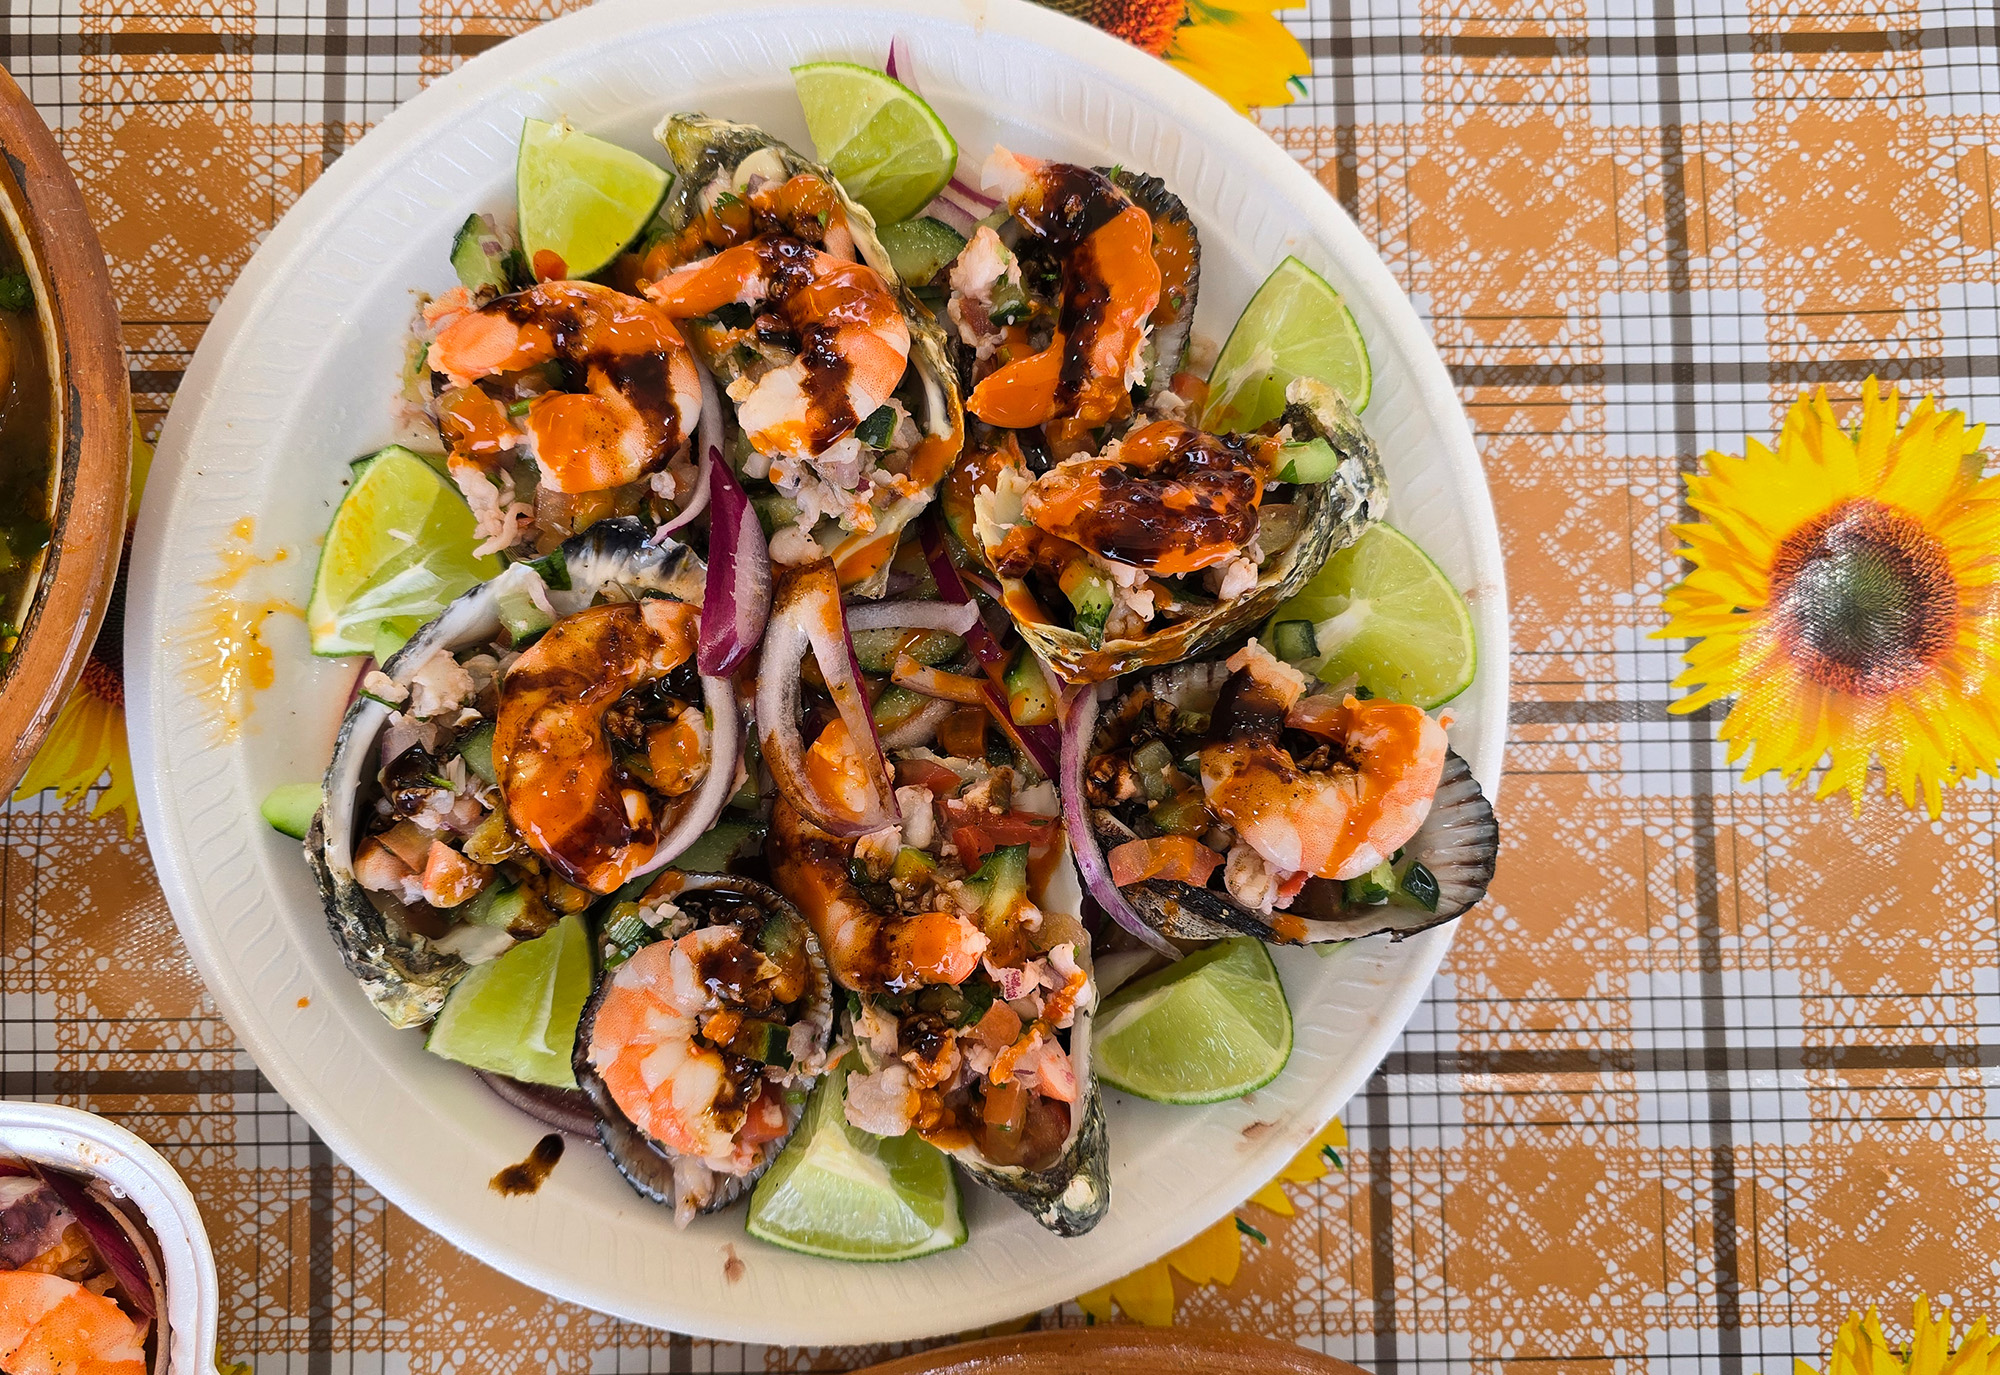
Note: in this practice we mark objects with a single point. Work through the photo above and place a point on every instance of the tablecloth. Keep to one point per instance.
(1712, 1065)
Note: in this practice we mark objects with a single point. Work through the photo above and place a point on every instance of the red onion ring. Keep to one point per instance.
(708, 443)
(806, 615)
(111, 1241)
(947, 211)
(951, 618)
(736, 600)
(1090, 863)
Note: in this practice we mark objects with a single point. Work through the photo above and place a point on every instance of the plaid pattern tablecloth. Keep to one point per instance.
(1714, 1063)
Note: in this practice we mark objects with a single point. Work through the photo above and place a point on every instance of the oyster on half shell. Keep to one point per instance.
(407, 975)
(715, 156)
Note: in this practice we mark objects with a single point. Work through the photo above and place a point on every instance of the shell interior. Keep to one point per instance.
(404, 976)
(655, 1170)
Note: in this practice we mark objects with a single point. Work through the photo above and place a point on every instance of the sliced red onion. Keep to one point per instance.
(708, 453)
(806, 615)
(972, 195)
(920, 729)
(736, 601)
(1076, 733)
(948, 211)
(953, 619)
(898, 66)
(718, 785)
(111, 1241)
(567, 1110)
(952, 588)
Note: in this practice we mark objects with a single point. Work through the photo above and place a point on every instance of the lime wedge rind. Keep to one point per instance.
(1296, 325)
(1213, 1027)
(841, 1194)
(580, 198)
(880, 139)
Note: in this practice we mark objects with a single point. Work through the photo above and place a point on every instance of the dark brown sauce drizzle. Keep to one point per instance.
(641, 379)
(527, 1176)
(1075, 202)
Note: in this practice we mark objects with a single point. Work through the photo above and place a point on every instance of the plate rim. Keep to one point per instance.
(395, 137)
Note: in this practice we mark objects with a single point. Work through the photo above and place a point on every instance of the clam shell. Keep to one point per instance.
(1459, 842)
(1338, 510)
(703, 149)
(656, 1171)
(404, 975)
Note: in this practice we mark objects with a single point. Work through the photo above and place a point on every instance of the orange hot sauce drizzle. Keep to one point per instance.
(228, 659)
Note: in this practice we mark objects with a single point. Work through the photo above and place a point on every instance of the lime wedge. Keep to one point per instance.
(888, 148)
(517, 1015)
(1211, 1027)
(1384, 614)
(581, 199)
(845, 1195)
(1295, 326)
(400, 548)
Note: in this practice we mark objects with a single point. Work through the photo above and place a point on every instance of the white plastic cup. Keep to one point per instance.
(85, 1144)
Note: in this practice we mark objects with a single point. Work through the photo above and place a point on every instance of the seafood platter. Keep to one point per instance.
(874, 692)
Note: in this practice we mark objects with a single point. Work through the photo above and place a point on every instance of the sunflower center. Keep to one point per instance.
(1863, 598)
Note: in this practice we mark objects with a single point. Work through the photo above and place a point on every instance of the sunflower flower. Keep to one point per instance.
(1213, 1256)
(1861, 1349)
(1845, 590)
(1237, 48)
(86, 742)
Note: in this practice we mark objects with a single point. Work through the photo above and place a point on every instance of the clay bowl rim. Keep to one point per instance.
(91, 409)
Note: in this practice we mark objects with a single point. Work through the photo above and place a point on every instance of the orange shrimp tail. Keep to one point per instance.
(54, 1326)
(703, 287)
(935, 948)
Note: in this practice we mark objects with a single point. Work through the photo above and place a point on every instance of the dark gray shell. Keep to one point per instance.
(1459, 842)
(1338, 510)
(1169, 342)
(402, 973)
(649, 1166)
(1071, 1196)
(704, 149)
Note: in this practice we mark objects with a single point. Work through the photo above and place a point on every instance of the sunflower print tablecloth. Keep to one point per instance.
(1715, 1062)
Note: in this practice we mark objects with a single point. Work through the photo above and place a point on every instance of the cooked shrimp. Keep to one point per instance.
(54, 1326)
(681, 1091)
(851, 338)
(1169, 499)
(561, 782)
(1339, 821)
(868, 951)
(641, 395)
(1110, 286)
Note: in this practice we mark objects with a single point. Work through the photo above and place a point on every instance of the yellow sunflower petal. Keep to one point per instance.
(1212, 1256)
(1242, 54)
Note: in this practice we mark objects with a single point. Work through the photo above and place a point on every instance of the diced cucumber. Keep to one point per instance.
(522, 619)
(553, 569)
(289, 807)
(1312, 461)
(1151, 762)
(477, 751)
(1010, 303)
(897, 705)
(774, 512)
(624, 932)
(1377, 885)
(877, 428)
(497, 905)
(484, 259)
(1293, 641)
(1416, 886)
(716, 847)
(761, 1041)
(912, 865)
(1030, 699)
(1090, 597)
(1002, 885)
(920, 249)
(876, 650)
(1183, 814)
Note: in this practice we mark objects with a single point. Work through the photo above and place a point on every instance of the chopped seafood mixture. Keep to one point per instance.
(750, 766)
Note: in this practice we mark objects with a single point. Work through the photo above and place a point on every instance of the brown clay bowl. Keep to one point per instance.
(1120, 1350)
(41, 212)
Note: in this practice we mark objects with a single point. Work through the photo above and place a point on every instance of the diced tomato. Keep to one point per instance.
(765, 1120)
(977, 832)
(999, 1028)
(1171, 857)
(928, 773)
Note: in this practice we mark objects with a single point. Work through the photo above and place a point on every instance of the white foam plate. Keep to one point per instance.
(85, 1144)
(295, 377)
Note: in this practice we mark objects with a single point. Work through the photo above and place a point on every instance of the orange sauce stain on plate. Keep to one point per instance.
(227, 657)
